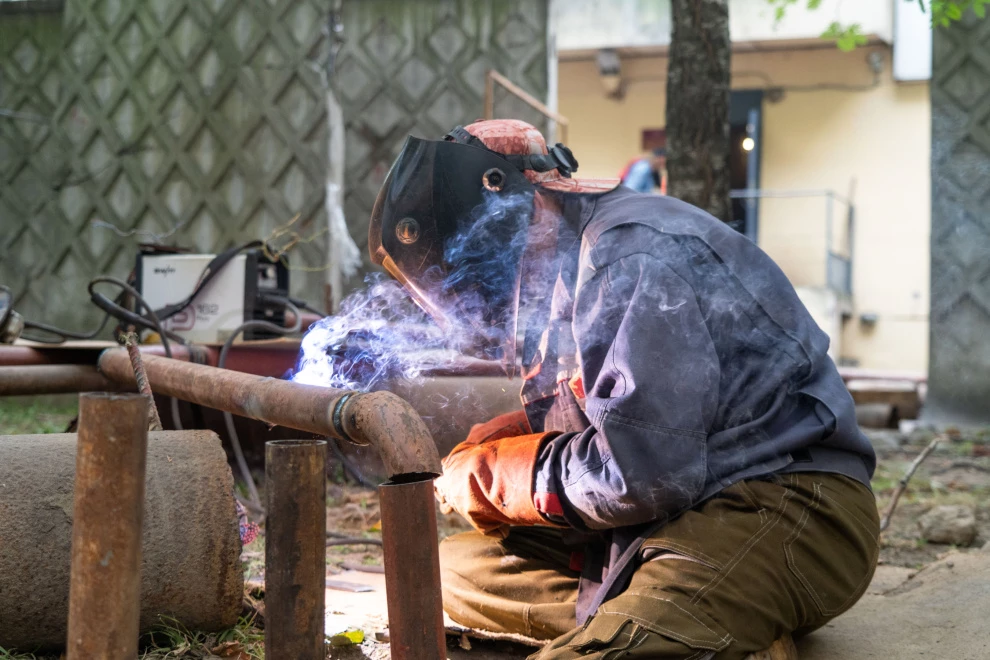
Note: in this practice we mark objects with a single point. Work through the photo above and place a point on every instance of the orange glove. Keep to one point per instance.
(503, 426)
(488, 478)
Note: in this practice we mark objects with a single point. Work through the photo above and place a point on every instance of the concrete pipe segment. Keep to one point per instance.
(190, 569)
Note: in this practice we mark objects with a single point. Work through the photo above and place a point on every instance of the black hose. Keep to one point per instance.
(235, 442)
(62, 334)
(152, 322)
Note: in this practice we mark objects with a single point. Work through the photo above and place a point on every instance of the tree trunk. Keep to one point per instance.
(698, 105)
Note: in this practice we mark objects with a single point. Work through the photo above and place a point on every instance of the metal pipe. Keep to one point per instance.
(105, 578)
(295, 549)
(56, 379)
(380, 419)
(763, 193)
(23, 355)
(412, 570)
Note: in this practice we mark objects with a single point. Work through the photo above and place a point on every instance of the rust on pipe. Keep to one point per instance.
(295, 549)
(412, 570)
(56, 379)
(105, 574)
(380, 419)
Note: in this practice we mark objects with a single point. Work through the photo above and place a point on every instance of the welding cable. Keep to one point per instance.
(115, 309)
(235, 442)
(303, 305)
(152, 322)
(111, 308)
(63, 335)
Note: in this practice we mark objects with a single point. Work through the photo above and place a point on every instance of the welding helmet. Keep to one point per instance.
(450, 223)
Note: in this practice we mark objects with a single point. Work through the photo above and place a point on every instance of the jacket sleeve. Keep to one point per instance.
(651, 375)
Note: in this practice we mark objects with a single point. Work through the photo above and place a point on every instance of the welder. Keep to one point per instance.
(685, 478)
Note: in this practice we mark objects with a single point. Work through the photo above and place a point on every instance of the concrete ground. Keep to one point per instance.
(937, 612)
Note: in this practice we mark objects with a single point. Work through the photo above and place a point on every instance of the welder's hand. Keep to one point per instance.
(503, 426)
(490, 482)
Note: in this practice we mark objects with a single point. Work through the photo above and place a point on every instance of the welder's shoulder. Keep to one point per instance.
(625, 223)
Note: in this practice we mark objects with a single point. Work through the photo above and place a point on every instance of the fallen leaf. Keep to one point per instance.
(349, 637)
(234, 650)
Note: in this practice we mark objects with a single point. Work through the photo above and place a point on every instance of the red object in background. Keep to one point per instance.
(654, 138)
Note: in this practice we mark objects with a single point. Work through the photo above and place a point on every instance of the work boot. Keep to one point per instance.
(782, 649)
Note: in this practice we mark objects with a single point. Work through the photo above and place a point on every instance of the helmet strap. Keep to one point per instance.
(560, 157)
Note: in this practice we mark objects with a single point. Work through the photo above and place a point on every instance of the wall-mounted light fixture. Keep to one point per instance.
(610, 72)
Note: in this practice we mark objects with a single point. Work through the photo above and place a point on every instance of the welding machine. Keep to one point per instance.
(220, 295)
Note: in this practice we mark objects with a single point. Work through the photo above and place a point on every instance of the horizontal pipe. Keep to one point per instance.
(19, 355)
(265, 358)
(380, 419)
(56, 379)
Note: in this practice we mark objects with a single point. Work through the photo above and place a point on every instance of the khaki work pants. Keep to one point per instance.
(761, 559)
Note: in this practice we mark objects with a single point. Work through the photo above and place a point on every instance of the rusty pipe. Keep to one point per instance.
(295, 549)
(380, 419)
(105, 577)
(415, 615)
(56, 379)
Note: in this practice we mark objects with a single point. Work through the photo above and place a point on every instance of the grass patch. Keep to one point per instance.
(173, 641)
(36, 415)
(14, 655)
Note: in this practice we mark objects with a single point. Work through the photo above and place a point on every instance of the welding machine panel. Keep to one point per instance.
(217, 311)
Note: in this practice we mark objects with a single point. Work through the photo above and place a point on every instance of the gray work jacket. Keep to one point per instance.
(677, 359)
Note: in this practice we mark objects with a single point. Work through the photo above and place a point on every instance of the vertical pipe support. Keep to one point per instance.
(412, 570)
(295, 549)
(108, 511)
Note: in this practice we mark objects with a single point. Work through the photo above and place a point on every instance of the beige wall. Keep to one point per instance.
(874, 144)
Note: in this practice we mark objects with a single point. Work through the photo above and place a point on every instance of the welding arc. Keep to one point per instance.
(235, 442)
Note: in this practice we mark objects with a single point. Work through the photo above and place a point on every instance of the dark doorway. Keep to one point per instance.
(745, 127)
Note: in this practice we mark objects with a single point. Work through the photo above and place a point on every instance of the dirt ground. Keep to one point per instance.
(957, 473)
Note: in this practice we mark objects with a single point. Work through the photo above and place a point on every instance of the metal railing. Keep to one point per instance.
(839, 230)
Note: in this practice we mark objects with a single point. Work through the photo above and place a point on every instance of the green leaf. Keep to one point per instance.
(349, 637)
(980, 10)
(813, 4)
(846, 38)
(832, 31)
(778, 14)
(953, 11)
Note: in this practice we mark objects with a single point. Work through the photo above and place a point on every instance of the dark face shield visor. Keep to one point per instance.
(450, 223)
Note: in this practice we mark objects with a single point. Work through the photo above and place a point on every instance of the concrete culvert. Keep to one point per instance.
(190, 544)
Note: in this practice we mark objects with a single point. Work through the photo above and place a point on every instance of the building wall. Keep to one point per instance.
(591, 24)
(871, 143)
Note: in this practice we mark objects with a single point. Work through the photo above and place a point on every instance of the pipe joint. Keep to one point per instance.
(394, 428)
